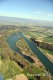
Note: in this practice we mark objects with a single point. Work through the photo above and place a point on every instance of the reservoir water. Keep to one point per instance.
(12, 43)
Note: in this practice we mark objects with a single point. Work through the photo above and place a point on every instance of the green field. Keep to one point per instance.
(41, 33)
(9, 68)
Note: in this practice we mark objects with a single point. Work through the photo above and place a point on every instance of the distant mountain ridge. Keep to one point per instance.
(22, 20)
(14, 19)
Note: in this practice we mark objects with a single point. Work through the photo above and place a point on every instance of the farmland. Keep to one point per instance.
(12, 63)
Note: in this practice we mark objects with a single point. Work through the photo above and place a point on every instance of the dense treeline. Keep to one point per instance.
(44, 45)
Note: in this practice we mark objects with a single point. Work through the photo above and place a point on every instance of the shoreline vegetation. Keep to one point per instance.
(24, 48)
(40, 44)
(47, 53)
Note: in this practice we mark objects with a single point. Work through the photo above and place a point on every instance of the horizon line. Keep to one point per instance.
(26, 18)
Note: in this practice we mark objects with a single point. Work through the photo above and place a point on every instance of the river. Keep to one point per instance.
(45, 61)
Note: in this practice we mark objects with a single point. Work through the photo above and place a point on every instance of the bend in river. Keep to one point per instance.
(12, 43)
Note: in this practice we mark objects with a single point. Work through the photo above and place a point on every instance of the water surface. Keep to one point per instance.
(12, 43)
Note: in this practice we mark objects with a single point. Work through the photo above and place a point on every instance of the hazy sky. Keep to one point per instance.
(32, 9)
